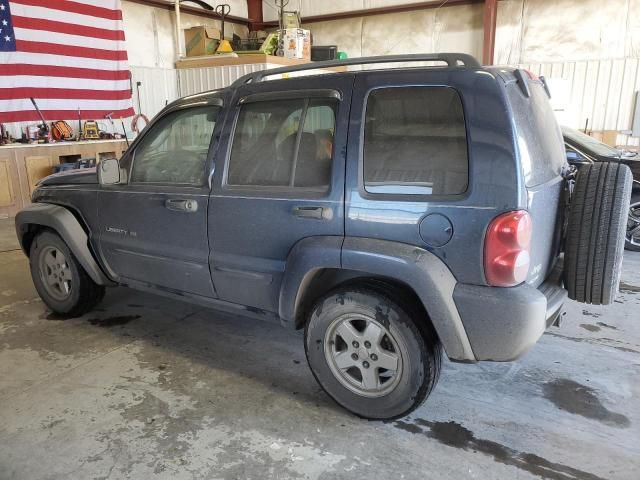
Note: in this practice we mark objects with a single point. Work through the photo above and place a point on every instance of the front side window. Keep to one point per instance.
(284, 143)
(175, 150)
(415, 142)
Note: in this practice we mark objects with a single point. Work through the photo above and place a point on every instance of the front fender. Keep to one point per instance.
(67, 226)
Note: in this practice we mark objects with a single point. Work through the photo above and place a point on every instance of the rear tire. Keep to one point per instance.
(596, 232)
(632, 240)
(369, 354)
(59, 278)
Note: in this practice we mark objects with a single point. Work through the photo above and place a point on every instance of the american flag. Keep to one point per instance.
(67, 55)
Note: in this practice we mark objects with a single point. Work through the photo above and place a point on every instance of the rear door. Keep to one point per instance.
(282, 179)
(408, 161)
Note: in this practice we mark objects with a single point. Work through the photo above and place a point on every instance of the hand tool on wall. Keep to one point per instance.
(124, 132)
(5, 136)
(138, 85)
(79, 125)
(43, 128)
(112, 133)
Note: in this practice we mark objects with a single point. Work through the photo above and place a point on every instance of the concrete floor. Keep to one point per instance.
(150, 388)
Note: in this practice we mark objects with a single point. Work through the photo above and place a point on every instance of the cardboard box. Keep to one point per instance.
(610, 137)
(295, 43)
(201, 41)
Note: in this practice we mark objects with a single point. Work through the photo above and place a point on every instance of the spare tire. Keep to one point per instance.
(596, 232)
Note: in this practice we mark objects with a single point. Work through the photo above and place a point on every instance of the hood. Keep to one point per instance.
(72, 177)
(590, 146)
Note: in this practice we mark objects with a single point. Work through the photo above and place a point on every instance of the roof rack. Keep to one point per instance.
(453, 60)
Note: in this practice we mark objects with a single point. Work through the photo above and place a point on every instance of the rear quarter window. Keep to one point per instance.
(415, 142)
(539, 139)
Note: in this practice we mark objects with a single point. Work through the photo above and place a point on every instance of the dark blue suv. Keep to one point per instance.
(392, 214)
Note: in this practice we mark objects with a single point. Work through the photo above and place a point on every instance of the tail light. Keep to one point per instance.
(506, 249)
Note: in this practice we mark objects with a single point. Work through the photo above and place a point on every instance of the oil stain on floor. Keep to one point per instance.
(579, 399)
(57, 316)
(606, 325)
(113, 321)
(455, 435)
(589, 327)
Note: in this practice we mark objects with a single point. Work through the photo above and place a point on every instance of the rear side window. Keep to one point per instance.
(284, 143)
(415, 142)
(538, 135)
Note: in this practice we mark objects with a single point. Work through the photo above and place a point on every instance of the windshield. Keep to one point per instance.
(590, 143)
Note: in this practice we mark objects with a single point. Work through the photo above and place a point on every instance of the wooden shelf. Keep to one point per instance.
(249, 59)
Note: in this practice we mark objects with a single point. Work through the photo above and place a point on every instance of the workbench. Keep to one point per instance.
(21, 166)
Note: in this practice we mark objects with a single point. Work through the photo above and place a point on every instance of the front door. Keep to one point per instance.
(153, 228)
(283, 152)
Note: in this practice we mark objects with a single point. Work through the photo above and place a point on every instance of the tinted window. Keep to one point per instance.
(283, 143)
(175, 149)
(415, 142)
(540, 142)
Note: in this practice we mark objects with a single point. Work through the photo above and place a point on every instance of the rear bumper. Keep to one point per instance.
(502, 324)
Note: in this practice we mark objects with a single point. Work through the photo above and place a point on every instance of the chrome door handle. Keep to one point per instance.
(181, 205)
(318, 213)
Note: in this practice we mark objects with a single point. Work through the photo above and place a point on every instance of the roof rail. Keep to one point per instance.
(451, 59)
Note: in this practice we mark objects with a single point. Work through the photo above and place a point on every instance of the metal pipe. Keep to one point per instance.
(254, 10)
(164, 5)
(178, 30)
(489, 25)
(402, 8)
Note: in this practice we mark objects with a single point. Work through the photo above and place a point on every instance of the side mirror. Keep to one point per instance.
(574, 157)
(109, 171)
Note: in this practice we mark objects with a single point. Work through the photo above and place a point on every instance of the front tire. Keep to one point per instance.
(59, 278)
(369, 354)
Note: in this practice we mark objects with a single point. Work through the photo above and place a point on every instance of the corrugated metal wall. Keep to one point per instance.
(159, 86)
(600, 91)
(197, 80)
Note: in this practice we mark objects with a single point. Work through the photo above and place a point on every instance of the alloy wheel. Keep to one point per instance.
(363, 355)
(55, 273)
(633, 225)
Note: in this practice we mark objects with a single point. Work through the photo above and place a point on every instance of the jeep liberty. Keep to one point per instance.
(391, 213)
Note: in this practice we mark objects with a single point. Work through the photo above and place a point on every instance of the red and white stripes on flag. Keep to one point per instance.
(68, 55)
